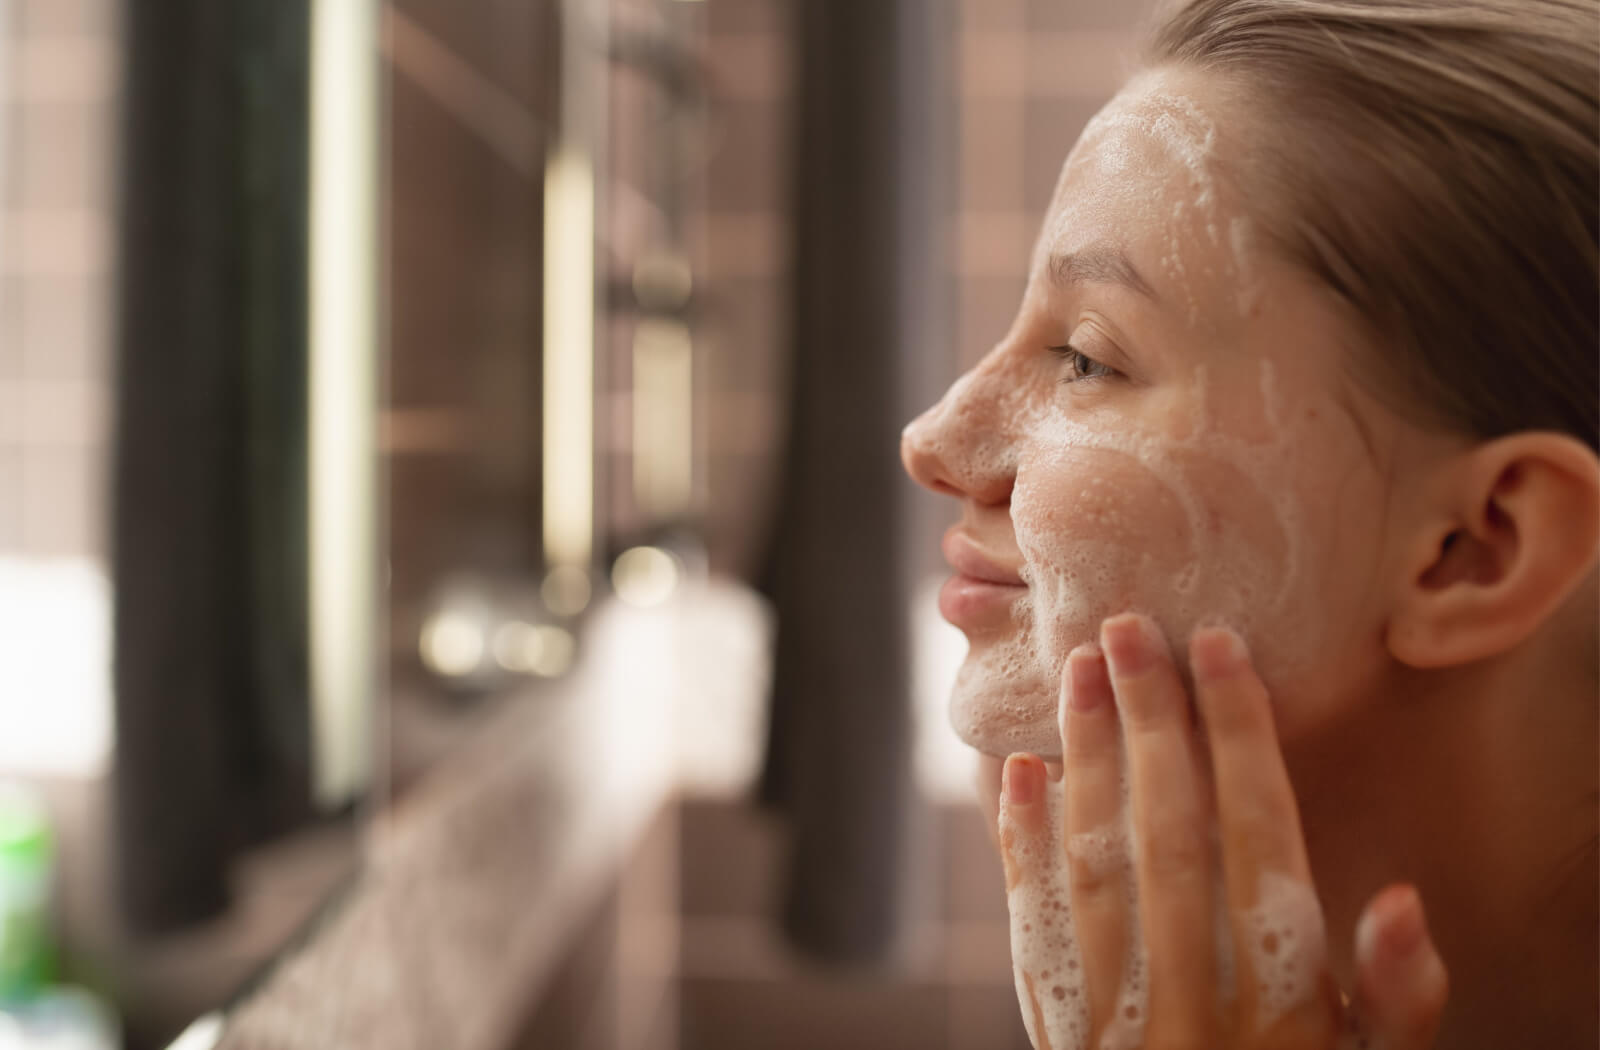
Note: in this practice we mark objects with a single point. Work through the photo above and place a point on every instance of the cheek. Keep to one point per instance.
(1185, 536)
(1095, 529)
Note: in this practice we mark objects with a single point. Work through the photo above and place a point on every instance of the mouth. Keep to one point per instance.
(982, 589)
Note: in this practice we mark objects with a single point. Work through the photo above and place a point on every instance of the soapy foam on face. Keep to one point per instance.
(1079, 562)
(1079, 567)
(1111, 145)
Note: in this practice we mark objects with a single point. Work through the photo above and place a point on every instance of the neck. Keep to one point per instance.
(1479, 786)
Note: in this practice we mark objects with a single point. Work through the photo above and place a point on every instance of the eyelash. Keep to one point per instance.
(1081, 364)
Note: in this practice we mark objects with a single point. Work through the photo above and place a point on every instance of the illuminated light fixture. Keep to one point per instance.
(568, 358)
(452, 644)
(518, 647)
(342, 394)
(565, 590)
(663, 419)
(524, 648)
(645, 576)
(556, 650)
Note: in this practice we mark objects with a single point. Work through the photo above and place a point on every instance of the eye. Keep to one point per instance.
(1080, 365)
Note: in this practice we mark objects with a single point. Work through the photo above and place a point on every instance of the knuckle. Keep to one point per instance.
(1176, 854)
(1093, 877)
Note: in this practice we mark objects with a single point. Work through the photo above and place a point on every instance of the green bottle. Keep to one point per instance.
(26, 857)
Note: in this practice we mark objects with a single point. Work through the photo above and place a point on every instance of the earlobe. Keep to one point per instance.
(1515, 529)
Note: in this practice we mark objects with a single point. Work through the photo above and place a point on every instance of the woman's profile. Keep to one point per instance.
(1277, 550)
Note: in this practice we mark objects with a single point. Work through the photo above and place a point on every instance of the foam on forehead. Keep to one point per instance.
(1149, 157)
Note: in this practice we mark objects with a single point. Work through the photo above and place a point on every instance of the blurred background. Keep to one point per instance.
(457, 587)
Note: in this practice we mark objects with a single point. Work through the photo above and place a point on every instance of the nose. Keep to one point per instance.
(962, 446)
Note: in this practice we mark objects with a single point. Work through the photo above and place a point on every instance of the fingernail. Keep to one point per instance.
(1393, 927)
(1086, 670)
(1216, 652)
(1022, 780)
(1405, 929)
(1131, 643)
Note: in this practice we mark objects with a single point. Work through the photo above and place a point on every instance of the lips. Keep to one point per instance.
(982, 592)
(969, 559)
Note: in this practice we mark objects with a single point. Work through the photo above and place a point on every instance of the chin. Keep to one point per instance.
(1004, 702)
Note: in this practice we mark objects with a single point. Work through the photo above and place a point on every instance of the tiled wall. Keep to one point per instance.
(57, 87)
(744, 257)
(1028, 76)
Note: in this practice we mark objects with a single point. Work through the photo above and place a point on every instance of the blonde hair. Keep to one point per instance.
(1435, 164)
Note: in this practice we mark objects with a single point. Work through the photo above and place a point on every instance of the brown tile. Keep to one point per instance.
(10, 499)
(730, 857)
(67, 416)
(64, 17)
(62, 155)
(992, 243)
(991, 65)
(840, 1013)
(991, 147)
(988, 15)
(744, 244)
(747, 146)
(986, 1019)
(1086, 14)
(1052, 127)
(1088, 64)
(63, 503)
(745, 16)
(748, 66)
(498, 42)
(985, 309)
(10, 327)
(63, 326)
(975, 885)
(744, 335)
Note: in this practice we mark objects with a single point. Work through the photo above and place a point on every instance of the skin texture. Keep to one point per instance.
(1417, 604)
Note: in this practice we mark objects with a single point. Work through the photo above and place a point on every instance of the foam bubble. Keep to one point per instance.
(1287, 945)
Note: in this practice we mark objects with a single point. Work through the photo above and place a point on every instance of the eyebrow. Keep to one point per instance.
(1101, 264)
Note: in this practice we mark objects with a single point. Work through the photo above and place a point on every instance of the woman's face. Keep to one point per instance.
(1170, 427)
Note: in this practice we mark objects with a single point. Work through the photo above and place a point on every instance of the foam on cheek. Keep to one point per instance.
(1111, 519)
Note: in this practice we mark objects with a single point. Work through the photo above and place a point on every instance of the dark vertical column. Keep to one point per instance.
(839, 755)
(208, 462)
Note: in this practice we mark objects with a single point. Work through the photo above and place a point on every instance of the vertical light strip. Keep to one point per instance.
(343, 394)
(663, 419)
(568, 358)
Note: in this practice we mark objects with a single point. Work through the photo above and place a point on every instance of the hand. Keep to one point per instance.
(1162, 895)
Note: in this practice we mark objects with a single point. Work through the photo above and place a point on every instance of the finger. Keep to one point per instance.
(1401, 982)
(1038, 1032)
(1169, 810)
(1097, 865)
(1022, 820)
(1277, 921)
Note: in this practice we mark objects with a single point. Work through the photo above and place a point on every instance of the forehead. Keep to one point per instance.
(1143, 179)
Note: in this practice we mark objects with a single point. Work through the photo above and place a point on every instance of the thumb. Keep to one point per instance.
(1401, 983)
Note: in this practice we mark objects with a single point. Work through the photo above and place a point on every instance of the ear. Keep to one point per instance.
(1512, 529)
